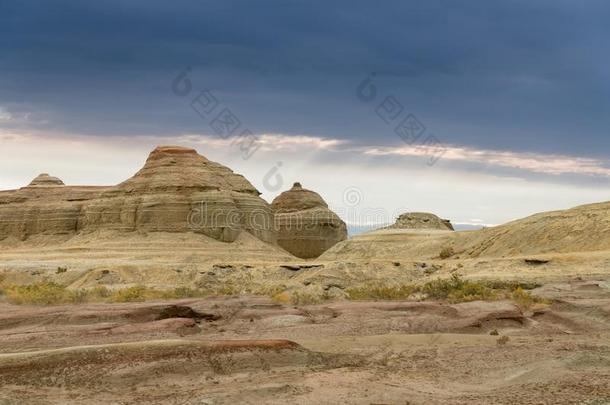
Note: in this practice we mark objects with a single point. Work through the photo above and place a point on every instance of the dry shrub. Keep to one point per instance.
(456, 289)
(186, 292)
(142, 293)
(501, 341)
(136, 293)
(43, 293)
(446, 252)
(381, 292)
(282, 298)
(525, 300)
(99, 292)
(48, 293)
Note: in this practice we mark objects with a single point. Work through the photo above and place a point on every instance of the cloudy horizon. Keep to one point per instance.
(506, 104)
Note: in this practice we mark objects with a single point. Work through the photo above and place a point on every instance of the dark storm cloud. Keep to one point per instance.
(517, 75)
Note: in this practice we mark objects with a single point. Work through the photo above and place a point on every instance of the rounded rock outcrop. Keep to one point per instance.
(306, 226)
(44, 179)
(421, 220)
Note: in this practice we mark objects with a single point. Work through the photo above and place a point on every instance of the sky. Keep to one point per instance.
(479, 111)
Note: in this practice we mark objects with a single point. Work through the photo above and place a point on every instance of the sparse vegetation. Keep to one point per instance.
(282, 298)
(381, 292)
(133, 294)
(61, 270)
(510, 284)
(300, 298)
(100, 292)
(43, 293)
(455, 289)
(49, 293)
(525, 300)
(446, 252)
(143, 293)
(502, 340)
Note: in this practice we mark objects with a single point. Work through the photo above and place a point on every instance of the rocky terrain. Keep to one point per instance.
(182, 285)
(255, 350)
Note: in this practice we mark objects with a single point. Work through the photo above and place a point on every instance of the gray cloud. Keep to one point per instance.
(519, 75)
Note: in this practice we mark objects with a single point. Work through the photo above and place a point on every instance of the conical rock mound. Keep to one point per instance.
(45, 180)
(297, 199)
(306, 226)
(175, 167)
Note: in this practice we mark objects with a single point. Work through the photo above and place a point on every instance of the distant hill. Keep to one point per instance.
(353, 230)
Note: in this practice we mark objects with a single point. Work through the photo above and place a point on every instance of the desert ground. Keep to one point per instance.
(109, 295)
(247, 349)
(288, 330)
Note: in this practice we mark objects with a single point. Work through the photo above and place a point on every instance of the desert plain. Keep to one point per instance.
(181, 285)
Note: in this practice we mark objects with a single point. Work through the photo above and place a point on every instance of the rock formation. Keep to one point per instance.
(45, 180)
(177, 190)
(414, 235)
(306, 226)
(421, 220)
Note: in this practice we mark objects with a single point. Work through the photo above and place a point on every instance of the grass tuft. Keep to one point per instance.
(456, 289)
(453, 290)
(381, 292)
(446, 252)
(43, 293)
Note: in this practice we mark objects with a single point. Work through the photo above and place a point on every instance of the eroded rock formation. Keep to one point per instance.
(177, 190)
(45, 180)
(421, 220)
(306, 226)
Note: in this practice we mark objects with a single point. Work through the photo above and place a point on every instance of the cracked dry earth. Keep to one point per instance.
(251, 350)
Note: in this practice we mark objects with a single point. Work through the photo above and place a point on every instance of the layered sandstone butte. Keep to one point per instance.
(421, 220)
(45, 180)
(306, 226)
(177, 190)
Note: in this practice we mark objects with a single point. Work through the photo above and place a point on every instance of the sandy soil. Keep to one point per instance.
(253, 350)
